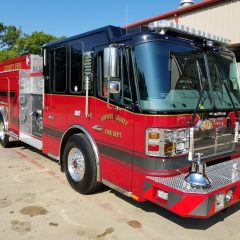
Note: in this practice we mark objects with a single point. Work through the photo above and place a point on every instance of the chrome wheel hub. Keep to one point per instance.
(2, 131)
(76, 164)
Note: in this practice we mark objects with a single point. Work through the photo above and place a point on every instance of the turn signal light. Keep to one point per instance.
(154, 135)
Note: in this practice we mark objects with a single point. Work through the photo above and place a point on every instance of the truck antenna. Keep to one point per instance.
(126, 16)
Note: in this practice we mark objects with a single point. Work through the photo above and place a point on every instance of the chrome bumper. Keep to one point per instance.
(220, 175)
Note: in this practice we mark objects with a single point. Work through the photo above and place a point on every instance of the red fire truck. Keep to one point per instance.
(151, 111)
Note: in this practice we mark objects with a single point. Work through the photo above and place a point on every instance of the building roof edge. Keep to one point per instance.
(176, 12)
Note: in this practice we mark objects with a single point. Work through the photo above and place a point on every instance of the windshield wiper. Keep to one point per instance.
(201, 94)
(209, 80)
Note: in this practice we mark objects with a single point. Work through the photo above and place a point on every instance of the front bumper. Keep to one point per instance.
(197, 202)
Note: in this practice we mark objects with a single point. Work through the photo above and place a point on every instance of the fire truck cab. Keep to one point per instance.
(151, 111)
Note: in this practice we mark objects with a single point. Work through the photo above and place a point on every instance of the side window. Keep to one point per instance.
(58, 70)
(51, 69)
(124, 97)
(127, 98)
(76, 68)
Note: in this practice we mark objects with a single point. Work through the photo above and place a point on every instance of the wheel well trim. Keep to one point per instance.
(92, 142)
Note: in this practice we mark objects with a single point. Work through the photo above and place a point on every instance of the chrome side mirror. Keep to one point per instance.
(114, 87)
(111, 66)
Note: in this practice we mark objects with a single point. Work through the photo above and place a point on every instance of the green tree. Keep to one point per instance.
(14, 43)
(1, 28)
(33, 43)
(9, 35)
(8, 54)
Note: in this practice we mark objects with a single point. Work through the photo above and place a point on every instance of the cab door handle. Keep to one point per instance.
(97, 128)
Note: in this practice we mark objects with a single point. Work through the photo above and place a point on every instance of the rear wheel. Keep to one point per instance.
(80, 164)
(4, 138)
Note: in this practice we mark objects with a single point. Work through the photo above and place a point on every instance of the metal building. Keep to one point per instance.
(221, 17)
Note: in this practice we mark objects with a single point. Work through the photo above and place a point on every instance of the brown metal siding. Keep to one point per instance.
(222, 20)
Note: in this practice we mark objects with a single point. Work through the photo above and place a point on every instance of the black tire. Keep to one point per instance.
(80, 164)
(4, 138)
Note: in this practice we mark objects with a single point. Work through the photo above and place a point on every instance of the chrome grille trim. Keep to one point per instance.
(212, 142)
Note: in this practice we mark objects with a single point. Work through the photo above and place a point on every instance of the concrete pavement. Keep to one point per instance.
(36, 202)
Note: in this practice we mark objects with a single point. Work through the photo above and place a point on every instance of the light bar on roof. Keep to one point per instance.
(164, 25)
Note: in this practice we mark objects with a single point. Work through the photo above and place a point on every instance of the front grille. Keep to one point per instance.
(211, 142)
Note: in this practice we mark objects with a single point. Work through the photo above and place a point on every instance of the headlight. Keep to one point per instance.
(168, 135)
(167, 142)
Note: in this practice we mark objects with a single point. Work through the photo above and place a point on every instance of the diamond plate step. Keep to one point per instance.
(220, 175)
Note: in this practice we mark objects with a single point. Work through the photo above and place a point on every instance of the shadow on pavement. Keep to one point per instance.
(189, 223)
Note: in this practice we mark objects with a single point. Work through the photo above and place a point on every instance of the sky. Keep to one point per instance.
(68, 18)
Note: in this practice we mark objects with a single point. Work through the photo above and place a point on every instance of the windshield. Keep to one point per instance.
(224, 78)
(173, 77)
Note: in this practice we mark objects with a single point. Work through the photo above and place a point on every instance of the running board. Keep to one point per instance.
(36, 143)
(117, 188)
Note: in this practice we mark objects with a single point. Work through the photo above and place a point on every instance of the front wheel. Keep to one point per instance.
(4, 138)
(80, 164)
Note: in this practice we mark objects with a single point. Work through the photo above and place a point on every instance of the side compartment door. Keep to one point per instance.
(114, 126)
(13, 102)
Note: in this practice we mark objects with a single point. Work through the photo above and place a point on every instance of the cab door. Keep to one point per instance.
(55, 101)
(114, 125)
